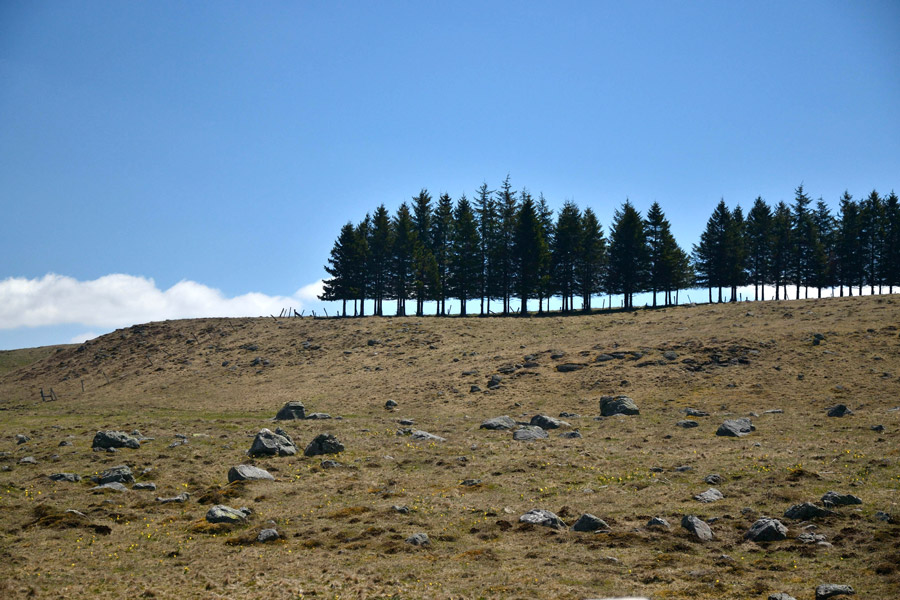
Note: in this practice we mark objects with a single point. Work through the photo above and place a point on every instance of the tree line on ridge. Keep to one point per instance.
(505, 245)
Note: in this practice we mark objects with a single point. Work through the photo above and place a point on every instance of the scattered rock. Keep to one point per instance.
(403, 510)
(835, 499)
(710, 495)
(658, 523)
(839, 410)
(267, 443)
(528, 433)
(813, 538)
(877, 428)
(781, 596)
(291, 411)
(588, 522)
(330, 464)
(390, 405)
(713, 479)
(28, 460)
(419, 539)
(670, 355)
(148, 485)
(545, 422)
(471, 482)
(114, 439)
(68, 443)
(883, 516)
(225, 514)
(474, 389)
(569, 367)
(324, 443)
(539, 516)
(267, 535)
(735, 427)
(424, 436)
(112, 485)
(494, 382)
(693, 412)
(617, 405)
(70, 477)
(697, 527)
(687, 423)
(766, 530)
(121, 474)
(21, 438)
(248, 473)
(180, 498)
(604, 358)
(498, 423)
(571, 435)
(317, 416)
(830, 590)
(805, 511)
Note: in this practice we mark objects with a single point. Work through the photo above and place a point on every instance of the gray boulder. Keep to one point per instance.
(120, 474)
(617, 405)
(713, 479)
(419, 539)
(781, 596)
(147, 485)
(529, 433)
(225, 514)
(114, 439)
(839, 410)
(324, 443)
(805, 511)
(658, 523)
(735, 427)
(267, 535)
(710, 495)
(179, 499)
(267, 443)
(112, 485)
(571, 435)
(830, 590)
(424, 436)
(248, 473)
(687, 423)
(390, 405)
(291, 411)
(498, 423)
(588, 522)
(604, 358)
(693, 412)
(569, 367)
(21, 438)
(697, 527)
(545, 422)
(835, 499)
(318, 416)
(70, 477)
(28, 460)
(545, 518)
(766, 530)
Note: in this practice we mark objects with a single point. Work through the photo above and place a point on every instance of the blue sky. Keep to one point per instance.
(163, 160)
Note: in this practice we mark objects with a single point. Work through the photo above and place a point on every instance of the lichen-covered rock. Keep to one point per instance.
(225, 514)
(805, 511)
(498, 423)
(699, 528)
(120, 474)
(710, 495)
(248, 473)
(735, 427)
(545, 422)
(835, 499)
(545, 518)
(618, 405)
(530, 433)
(766, 530)
(830, 590)
(588, 522)
(419, 539)
(268, 443)
(114, 439)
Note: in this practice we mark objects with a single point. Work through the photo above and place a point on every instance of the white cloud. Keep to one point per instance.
(119, 300)
(82, 337)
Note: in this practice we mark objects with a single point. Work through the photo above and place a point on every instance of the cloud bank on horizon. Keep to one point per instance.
(120, 300)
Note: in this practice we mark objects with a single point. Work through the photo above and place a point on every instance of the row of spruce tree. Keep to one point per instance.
(504, 245)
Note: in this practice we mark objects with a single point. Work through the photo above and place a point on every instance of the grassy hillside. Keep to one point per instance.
(10, 360)
(216, 382)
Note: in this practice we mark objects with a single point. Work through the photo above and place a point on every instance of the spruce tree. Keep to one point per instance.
(422, 217)
(891, 245)
(486, 215)
(380, 243)
(758, 232)
(529, 250)
(849, 248)
(871, 234)
(590, 262)
(628, 255)
(503, 261)
(782, 248)
(361, 258)
(402, 257)
(441, 235)
(465, 255)
(566, 243)
(824, 253)
(340, 267)
(548, 229)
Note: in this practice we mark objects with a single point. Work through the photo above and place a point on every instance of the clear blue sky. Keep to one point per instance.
(223, 144)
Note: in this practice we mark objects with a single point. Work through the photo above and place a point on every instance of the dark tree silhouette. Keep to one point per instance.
(465, 255)
(591, 259)
(486, 214)
(441, 235)
(380, 245)
(529, 251)
(566, 243)
(758, 233)
(628, 263)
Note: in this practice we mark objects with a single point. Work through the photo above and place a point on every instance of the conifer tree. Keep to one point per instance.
(628, 255)
(871, 212)
(529, 251)
(340, 267)
(566, 243)
(380, 244)
(486, 215)
(735, 252)
(402, 257)
(548, 229)
(361, 258)
(465, 255)
(590, 262)
(805, 240)
(824, 254)
(849, 249)
(503, 259)
(782, 248)
(891, 245)
(758, 232)
(441, 236)
(425, 271)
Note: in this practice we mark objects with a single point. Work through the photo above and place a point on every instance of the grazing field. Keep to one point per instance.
(203, 388)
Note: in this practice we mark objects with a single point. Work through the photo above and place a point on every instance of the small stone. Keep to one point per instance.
(529, 433)
(28, 460)
(424, 436)
(267, 443)
(267, 535)
(806, 511)
(112, 485)
(471, 482)
(839, 410)
(670, 355)
(883, 516)
(498, 423)
(65, 443)
(713, 479)
(781, 596)
(693, 412)
(545, 518)
(390, 405)
(114, 439)
(687, 424)
(570, 435)
(70, 477)
(830, 590)
(617, 405)
(180, 498)
(403, 510)
(318, 416)
(149, 486)
(225, 514)
(474, 389)
(569, 367)
(735, 427)
(21, 438)
(419, 539)
(710, 495)
(588, 522)
(545, 422)
(658, 523)
(604, 358)
(121, 474)
(877, 428)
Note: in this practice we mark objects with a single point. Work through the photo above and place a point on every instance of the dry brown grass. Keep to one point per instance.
(343, 539)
